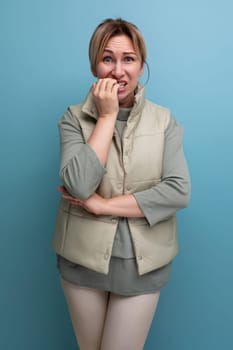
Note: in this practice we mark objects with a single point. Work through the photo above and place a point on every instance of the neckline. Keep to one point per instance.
(123, 114)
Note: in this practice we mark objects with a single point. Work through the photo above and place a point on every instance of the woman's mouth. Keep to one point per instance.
(122, 85)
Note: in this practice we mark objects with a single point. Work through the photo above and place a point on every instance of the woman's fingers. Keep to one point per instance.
(60, 188)
(106, 97)
(68, 196)
(104, 85)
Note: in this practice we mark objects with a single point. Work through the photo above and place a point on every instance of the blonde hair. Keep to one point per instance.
(106, 30)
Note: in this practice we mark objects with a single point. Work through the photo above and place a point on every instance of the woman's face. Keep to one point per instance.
(119, 61)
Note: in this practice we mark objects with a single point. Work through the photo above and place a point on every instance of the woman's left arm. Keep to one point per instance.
(173, 192)
(124, 206)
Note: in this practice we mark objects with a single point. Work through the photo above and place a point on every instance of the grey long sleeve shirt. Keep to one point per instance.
(81, 173)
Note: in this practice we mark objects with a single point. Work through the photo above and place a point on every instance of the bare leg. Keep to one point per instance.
(128, 321)
(87, 309)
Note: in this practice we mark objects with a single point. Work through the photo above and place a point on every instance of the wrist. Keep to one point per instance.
(108, 116)
(104, 208)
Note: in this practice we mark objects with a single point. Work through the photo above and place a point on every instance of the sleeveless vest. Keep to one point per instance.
(133, 166)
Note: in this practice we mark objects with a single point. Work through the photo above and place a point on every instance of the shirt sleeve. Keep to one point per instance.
(173, 192)
(80, 169)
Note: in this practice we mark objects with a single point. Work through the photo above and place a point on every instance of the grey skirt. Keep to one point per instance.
(122, 279)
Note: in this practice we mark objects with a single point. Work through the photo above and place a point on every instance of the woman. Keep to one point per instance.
(124, 177)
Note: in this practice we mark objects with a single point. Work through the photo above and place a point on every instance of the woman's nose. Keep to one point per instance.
(118, 71)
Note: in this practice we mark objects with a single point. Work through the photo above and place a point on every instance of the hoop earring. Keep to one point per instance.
(148, 77)
(148, 72)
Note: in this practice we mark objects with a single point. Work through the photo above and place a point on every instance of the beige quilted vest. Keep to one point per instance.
(136, 166)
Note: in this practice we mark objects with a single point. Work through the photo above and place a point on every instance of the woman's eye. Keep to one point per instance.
(107, 59)
(129, 59)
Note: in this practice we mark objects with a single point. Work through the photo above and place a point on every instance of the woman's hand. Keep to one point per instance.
(95, 204)
(106, 98)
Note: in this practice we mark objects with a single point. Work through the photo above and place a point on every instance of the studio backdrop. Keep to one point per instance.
(44, 69)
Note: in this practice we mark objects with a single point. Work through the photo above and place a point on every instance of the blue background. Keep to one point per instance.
(44, 68)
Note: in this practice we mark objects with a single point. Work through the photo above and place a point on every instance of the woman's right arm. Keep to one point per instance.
(82, 164)
(80, 169)
(106, 100)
